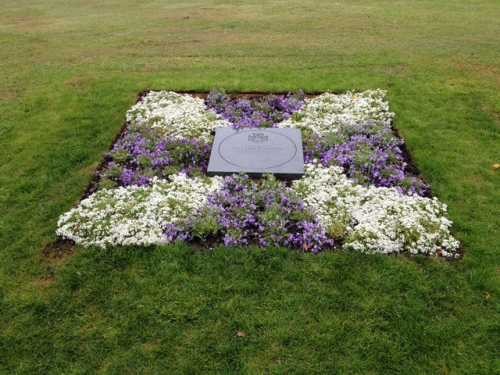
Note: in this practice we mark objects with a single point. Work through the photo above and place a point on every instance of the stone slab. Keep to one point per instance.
(256, 151)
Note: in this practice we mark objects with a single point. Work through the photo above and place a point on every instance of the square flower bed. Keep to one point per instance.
(358, 192)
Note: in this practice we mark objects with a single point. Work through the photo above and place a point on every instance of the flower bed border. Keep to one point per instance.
(406, 154)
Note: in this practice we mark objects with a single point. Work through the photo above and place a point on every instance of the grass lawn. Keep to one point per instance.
(68, 73)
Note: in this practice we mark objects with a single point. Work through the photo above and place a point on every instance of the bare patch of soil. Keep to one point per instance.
(58, 249)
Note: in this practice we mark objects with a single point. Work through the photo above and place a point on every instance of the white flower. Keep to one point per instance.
(375, 220)
(136, 215)
(181, 116)
(326, 112)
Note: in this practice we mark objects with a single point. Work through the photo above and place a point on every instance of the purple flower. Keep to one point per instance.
(369, 155)
(143, 153)
(264, 111)
(248, 212)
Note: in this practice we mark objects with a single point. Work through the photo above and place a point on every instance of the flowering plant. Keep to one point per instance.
(357, 192)
(375, 220)
(135, 215)
(369, 154)
(144, 153)
(264, 112)
(181, 116)
(244, 211)
(325, 113)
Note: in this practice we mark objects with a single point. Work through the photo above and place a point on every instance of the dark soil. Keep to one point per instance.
(58, 249)
(411, 167)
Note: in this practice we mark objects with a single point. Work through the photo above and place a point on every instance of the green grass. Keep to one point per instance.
(68, 73)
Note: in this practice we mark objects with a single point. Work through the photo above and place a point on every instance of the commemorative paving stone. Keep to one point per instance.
(256, 151)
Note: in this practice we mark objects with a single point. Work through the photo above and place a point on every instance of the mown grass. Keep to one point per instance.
(68, 73)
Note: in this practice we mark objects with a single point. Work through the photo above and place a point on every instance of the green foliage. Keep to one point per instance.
(206, 225)
(70, 71)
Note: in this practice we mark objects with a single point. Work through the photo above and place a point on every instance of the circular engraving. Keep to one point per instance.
(257, 149)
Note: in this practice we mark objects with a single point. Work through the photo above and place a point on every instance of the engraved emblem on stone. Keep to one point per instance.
(258, 138)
